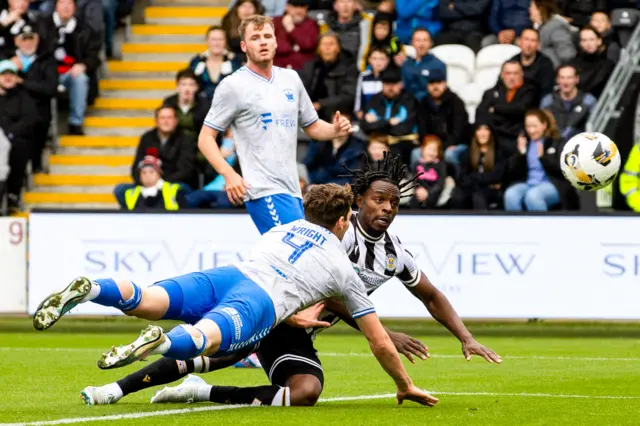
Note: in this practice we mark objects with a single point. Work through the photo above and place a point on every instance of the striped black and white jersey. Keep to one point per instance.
(376, 260)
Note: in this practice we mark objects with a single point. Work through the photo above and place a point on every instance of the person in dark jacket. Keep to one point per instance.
(153, 192)
(215, 64)
(570, 106)
(331, 79)
(579, 12)
(176, 150)
(505, 105)
(297, 36)
(191, 108)
(17, 119)
(325, 160)
(507, 19)
(556, 34)
(241, 9)
(537, 67)
(463, 22)
(77, 51)
(431, 173)
(592, 63)
(352, 26)
(537, 183)
(414, 14)
(444, 114)
(12, 19)
(601, 22)
(382, 37)
(480, 175)
(369, 82)
(39, 76)
(393, 112)
(416, 71)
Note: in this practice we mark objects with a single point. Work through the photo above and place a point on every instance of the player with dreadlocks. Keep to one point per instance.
(287, 354)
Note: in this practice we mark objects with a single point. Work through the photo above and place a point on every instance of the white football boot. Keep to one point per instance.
(103, 395)
(150, 338)
(187, 391)
(57, 304)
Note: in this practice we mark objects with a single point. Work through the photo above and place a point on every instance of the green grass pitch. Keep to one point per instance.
(552, 374)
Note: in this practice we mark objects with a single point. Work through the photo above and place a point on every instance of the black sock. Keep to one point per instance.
(262, 395)
(160, 372)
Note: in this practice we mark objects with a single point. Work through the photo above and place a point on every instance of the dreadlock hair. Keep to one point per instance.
(390, 169)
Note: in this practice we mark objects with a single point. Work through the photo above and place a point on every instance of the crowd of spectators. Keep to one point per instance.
(49, 49)
(376, 66)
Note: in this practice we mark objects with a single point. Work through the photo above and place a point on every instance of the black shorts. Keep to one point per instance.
(286, 352)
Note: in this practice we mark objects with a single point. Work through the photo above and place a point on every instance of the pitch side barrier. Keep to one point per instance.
(494, 265)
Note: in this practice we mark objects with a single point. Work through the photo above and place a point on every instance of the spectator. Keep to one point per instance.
(431, 173)
(556, 38)
(579, 12)
(12, 20)
(153, 193)
(480, 174)
(77, 55)
(353, 28)
(507, 19)
(416, 72)
(537, 67)
(39, 76)
(241, 10)
(463, 22)
(89, 12)
(325, 161)
(629, 179)
(176, 150)
(109, 12)
(504, 106)
(17, 119)
(331, 78)
(369, 82)
(377, 146)
(415, 14)
(382, 36)
(570, 106)
(393, 112)
(5, 148)
(191, 109)
(601, 22)
(444, 115)
(535, 169)
(272, 8)
(592, 63)
(297, 36)
(214, 64)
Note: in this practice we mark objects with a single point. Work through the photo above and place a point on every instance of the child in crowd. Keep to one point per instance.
(431, 172)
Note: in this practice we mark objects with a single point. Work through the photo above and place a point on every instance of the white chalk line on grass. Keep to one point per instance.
(360, 354)
(181, 411)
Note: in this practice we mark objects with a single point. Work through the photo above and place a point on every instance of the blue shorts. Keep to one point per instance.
(274, 210)
(240, 307)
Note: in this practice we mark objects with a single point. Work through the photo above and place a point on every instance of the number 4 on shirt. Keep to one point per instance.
(298, 249)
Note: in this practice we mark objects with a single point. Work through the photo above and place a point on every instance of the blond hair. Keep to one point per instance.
(258, 21)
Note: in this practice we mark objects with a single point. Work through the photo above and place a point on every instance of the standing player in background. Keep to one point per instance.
(264, 104)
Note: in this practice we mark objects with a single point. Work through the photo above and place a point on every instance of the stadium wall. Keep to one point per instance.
(13, 261)
(492, 266)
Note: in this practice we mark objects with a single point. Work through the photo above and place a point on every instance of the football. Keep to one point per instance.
(590, 161)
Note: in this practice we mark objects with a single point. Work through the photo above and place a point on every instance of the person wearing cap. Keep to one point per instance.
(12, 19)
(393, 112)
(444, 114)
(17, 120)
(297, 36)
(153, 192)
(39, 76)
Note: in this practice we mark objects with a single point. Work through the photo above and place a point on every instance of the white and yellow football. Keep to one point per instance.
(590, 161)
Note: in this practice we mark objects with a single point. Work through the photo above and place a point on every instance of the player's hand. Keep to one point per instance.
(308, 318)
(236, 187)
(408, 346)
(472, 347)
(416, 395)
(341, 125)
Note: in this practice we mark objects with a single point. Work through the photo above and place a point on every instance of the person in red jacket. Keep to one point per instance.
(297, 36)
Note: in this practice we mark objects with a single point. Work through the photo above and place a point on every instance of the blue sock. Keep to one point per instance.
(110, 295)
(183, 346)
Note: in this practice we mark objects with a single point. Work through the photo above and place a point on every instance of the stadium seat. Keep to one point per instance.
(486, 78)
(495, 55)
(624, 21)
(471, 95)
(459, 59)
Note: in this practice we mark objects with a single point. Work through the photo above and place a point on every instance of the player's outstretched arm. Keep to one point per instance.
(441, 309)
(387, 356)
(234, 184)
(323, 131)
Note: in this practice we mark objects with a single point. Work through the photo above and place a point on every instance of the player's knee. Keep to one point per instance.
(305, 392)
(186, 342)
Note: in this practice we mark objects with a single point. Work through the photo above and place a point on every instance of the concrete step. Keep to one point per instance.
(150, 66)
(127, 104)
(182, 58)
(163, 48)
(184, 15)
(118, 151)
(73, 189)
(91, 160)
(184, 21)
(44, 180)
(98, 142)
(115, 131)
(138, 94)
(64, 199)
(137, 75)
(77, 206)
(119, 122)
(168, 38)
(60, 169)
(170, 30)
(219, 3)
(138, 85)
(118, 113)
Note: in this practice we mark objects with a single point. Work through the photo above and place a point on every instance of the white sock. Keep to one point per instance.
(201, 364)
(203, 393)
(163, 348)
(282, 398)
(93, 293)
(114, 389)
